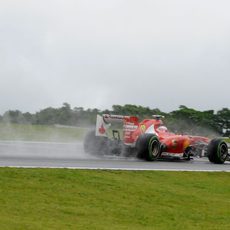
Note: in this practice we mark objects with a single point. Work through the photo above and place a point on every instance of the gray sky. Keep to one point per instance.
(97, 53)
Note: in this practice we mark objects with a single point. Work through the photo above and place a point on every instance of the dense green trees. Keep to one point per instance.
(188, 119)
(139, 111)
(14, 116)
(183, 119)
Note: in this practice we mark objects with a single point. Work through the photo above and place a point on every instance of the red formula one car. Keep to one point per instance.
(151, 140)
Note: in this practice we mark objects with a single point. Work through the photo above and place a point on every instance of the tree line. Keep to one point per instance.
(183, 119)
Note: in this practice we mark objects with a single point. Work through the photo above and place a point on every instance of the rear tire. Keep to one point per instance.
(217, 151)
(148, 147)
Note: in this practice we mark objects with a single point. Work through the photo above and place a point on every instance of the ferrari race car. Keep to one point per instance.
(150, 140)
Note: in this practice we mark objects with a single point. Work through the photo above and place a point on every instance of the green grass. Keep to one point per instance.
(103, 199)
(227, 140)
(40, 133)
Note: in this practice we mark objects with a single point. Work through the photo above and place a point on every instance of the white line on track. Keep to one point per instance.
(118, 169)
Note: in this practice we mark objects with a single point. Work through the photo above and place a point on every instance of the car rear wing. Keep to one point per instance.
(130, 124)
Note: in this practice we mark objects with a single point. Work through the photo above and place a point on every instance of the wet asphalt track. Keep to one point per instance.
(71, 155)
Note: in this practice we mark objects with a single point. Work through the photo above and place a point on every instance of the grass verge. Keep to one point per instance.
(24, 132)
(104, 199)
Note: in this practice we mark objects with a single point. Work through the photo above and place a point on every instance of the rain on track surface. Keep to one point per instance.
(71, 155)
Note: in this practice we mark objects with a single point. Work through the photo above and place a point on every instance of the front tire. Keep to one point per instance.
(217, 151)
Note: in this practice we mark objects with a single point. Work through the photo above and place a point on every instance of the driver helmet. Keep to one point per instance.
(162, 128)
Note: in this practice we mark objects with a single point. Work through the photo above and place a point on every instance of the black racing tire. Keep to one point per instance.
(148, 147)
(217, 151)
(95, 145)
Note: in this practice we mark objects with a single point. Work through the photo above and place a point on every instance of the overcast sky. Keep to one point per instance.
(97, 53)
